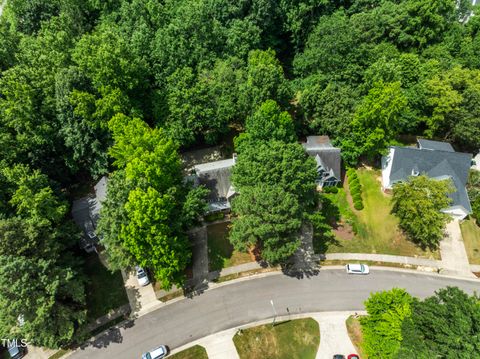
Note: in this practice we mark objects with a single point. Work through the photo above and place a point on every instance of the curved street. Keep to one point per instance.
(247, 301)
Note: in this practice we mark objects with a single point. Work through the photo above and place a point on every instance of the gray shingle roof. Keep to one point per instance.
(435, 145)
(216, 177)
(329, 156)
(435, 164)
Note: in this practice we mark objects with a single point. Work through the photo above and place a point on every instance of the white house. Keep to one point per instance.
(437, 160)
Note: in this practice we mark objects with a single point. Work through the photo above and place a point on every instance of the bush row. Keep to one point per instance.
(330, 189)
(355, 189)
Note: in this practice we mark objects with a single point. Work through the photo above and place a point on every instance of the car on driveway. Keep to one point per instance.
(339, 356)
(353, 356)
(142, 276)
(357, 269)
(157, 353)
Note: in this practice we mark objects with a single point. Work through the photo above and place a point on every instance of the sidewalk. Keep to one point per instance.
(386, 258)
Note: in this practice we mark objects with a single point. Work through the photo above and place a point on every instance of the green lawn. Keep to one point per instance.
(371, 230)
(196, 352)
(221, 253)
(295, 339)
(471, 238)
(356, 336)
(105, 290)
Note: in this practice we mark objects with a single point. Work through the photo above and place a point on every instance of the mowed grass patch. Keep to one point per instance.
(295, 339)
(376, 229)
(354, 330)
(105, 290)
(471, 239)
(196, 352)
(221, 253)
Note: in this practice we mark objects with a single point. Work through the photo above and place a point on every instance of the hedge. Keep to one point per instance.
(355, 189)
(330, 189)
(358, 205)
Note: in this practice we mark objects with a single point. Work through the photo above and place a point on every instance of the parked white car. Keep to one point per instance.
(157, 353)
(357, 269)
(142, 276)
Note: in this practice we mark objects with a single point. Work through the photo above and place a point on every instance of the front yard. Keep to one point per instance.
(195, 352)
(371, 230)
(105, 290)
(294, 339)
(471, 239)
(221, 253)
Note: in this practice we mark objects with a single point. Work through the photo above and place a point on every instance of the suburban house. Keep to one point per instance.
(437, 160)
(86, 212)
(215, 176)
(328, 160)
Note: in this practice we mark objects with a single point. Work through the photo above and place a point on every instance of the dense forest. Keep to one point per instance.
(120, 87)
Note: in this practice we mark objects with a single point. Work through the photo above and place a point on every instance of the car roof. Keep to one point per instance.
(158, 351)
(355, 267)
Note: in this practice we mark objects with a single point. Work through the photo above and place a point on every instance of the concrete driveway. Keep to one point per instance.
(141, 299)
(452, 250)
(334, 337)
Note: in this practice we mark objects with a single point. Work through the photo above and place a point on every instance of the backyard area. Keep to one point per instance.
(294, 339)
(221, 253)
(371, 230)
(105, 290)
(196, 352)
(471, 239)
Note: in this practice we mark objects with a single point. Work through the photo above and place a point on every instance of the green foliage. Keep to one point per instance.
(48, 298)
(266, 221)
(330, 189)
(148, 208)
(269, 122)
(417, 203)
(278, 164)
(277, 182)
(382, 327)
(355, 188)
(444, 325)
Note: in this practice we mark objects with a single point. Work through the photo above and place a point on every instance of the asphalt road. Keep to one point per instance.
(244, 302)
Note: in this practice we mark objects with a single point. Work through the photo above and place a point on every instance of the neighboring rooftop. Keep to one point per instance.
(325, 154)
(215, 176)
(434, 145)
(436, 161)
(317, 143)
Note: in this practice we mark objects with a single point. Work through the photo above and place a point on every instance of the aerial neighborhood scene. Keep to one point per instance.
(239, 179)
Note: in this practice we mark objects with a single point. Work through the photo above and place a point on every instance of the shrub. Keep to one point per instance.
(212, 217)
(358, 205)
(357, 197)
(355, 188)
(330, 189)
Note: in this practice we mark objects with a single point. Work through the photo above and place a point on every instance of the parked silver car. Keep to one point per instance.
(157, 353)
(357, 269)
(142, 276)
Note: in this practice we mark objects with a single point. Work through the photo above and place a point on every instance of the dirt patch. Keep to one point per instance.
(344, 231)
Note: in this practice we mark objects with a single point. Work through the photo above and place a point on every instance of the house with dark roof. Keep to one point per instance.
(86, 213)
(437, 160)
(328, 160)
(215, 176)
